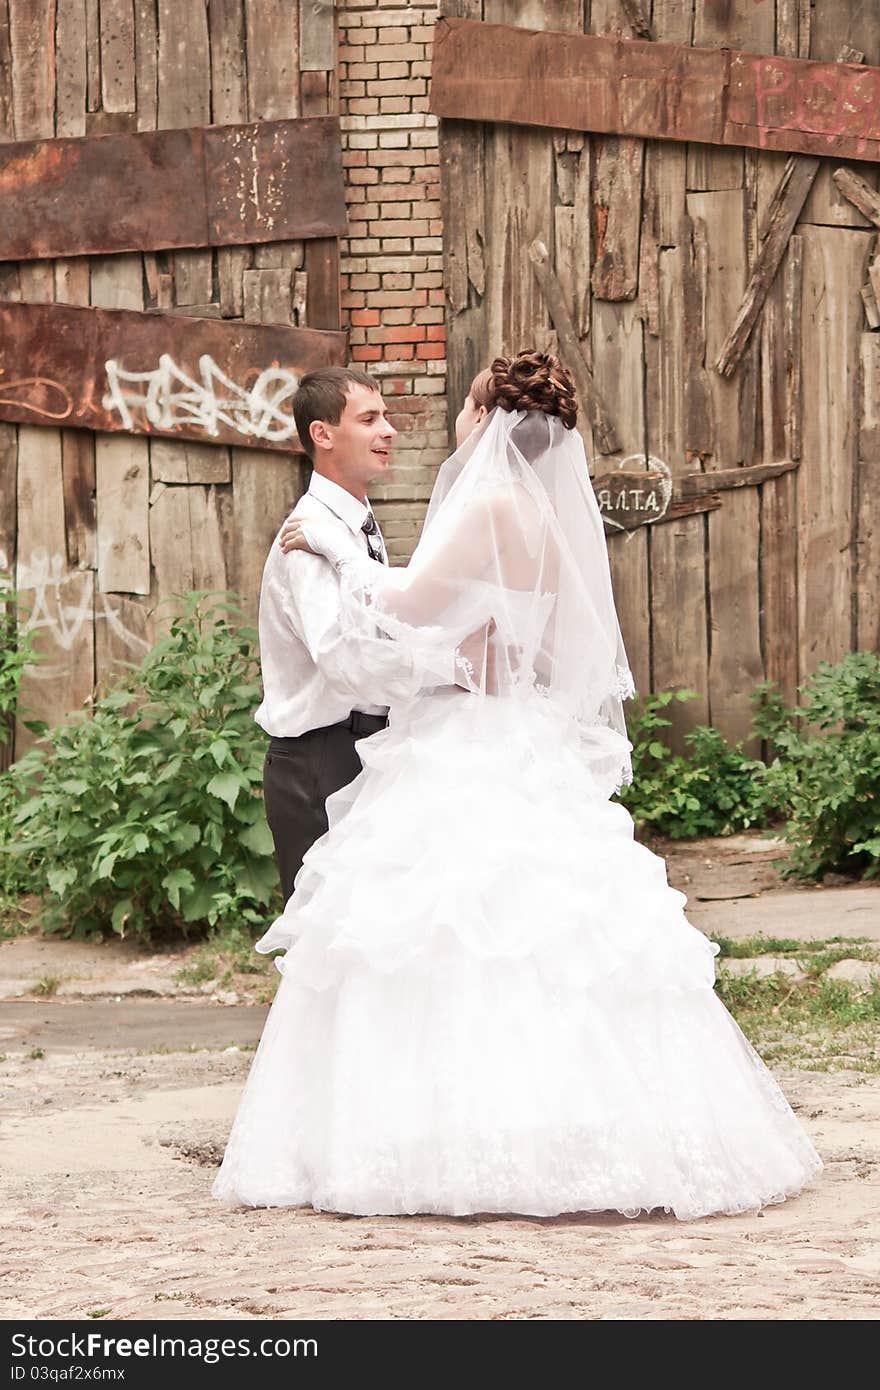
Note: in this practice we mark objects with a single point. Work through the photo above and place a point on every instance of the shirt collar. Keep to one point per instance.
(340, 502)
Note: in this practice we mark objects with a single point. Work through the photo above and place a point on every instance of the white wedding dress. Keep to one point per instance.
(491, 1000)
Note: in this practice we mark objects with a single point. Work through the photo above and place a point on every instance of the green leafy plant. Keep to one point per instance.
(825, 775)
(16, 653)
(145, 814)
(713, 789)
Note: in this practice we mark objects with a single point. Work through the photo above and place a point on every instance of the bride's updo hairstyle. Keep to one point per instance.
(534, 381)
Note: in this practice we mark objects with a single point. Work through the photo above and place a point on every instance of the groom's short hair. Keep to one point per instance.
(321, 396)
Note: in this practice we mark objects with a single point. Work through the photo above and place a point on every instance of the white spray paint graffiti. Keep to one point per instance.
(58, 601)
(168, 396)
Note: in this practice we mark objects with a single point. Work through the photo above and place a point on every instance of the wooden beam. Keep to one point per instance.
(689, 506)
(785, 209)
(859, 193)
(206, 186)
(120, 371)
(570, 349)
(720, 479)
(493, 72)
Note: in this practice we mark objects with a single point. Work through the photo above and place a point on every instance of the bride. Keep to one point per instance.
(491, 1000)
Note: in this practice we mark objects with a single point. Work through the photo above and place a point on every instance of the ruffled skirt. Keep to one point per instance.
(492, 1001)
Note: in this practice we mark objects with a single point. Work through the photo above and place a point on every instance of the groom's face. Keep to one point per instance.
(360, 444)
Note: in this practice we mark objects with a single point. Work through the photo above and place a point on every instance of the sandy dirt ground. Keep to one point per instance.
(119, 1090)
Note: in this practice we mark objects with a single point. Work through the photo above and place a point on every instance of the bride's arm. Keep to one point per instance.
(416, 594)
(353, 657)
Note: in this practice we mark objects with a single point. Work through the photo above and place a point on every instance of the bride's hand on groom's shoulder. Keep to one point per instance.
(293, 536)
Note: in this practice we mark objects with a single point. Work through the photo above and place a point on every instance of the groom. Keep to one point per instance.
(326, 687)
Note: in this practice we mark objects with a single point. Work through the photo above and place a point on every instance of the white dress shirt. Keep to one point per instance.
(315, 674)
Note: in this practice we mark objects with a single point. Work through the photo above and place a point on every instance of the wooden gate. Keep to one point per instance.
(167, 348)
(739, 476)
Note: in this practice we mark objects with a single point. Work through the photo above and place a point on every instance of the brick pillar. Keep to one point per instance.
(392, 269)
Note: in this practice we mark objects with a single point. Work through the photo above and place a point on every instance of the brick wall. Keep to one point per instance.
(392, 271)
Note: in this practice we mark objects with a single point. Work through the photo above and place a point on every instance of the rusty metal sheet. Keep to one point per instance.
(807, 107)
(496, 72)
(212, 380)
(208, 186)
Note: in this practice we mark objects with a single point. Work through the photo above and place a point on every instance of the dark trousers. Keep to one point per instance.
(298, 776)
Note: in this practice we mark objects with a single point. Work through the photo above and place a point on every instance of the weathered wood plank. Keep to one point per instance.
(187, 545)
(617, 189)
(78, 471)
(588, 393)
(8, 524)
(317, 36)
(117, 55)
(273, 66)
(265, 487)
(73, 286)
(93, 54)
(834, 270)
(232, 262)
(122, 478)
(149, 191)
(146, 63)
(323, 298)
(125, 630)
(519, 209)
(182, 461)
(735, 660)
(563, 16)
(8, 486)
(677, 561)
(193, 279)
(184, 89)
(719, 223)
(483, 72)
(868, 559)
(57, 602)
(868, 500)
(37, 279)
(793, 308)
(228, 62)
(70, 73)
(618, 356)
(858, 192)
(157, 374)
(32, 46)
(121, 465)
(7, 118)
(267, 296)
(779, 583)
(463, 206)
(315, 93)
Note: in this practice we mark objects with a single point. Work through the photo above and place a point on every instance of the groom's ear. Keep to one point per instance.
(321, 435)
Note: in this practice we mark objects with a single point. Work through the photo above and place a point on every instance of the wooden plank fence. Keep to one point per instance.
(99, 530)
(650, 191)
